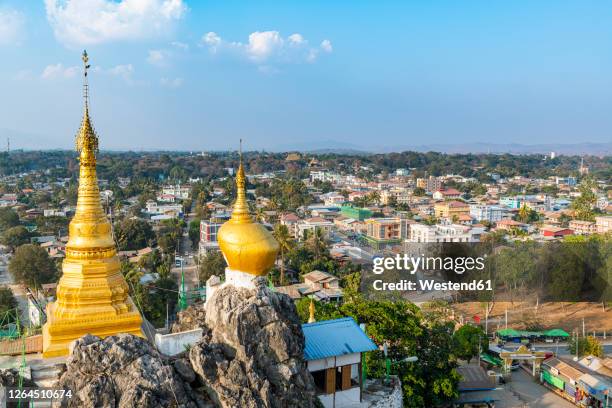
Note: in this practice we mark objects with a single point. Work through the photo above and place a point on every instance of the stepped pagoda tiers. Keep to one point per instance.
(92, 295)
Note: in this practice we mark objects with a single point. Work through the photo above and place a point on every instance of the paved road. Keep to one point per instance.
(533, 394)
(564, 352)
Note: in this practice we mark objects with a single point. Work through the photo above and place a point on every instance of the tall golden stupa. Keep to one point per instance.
(248, 247)
(92, 295)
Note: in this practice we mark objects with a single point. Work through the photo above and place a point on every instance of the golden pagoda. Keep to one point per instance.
(248, 247)
(92, 295)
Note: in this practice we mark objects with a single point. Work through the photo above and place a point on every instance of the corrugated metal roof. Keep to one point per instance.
(336, 337)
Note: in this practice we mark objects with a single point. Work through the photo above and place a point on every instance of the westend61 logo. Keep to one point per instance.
(412, 264)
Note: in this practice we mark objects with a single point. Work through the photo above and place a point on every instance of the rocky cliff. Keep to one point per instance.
(251, 355)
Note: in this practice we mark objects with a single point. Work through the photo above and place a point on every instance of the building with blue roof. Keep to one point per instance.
(333, 351)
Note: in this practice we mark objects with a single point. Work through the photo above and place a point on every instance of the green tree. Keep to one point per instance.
(7, 302)
(585, 203)
(315, 242)
(419, 192)
(15, 236)
(132, 234)
(211, 264)
(588, 346)
(8, 218)
(194, 232)
(469, 341)
(286, 243)
(32, 266)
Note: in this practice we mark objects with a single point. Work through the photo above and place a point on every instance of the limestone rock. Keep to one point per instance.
(252, 355)
(194, 317)
(123, 371)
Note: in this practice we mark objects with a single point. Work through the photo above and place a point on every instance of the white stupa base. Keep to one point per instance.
(235, 278)
(239, 279)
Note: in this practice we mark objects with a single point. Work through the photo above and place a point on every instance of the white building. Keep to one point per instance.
(444, 233)
(311, 225)
(603, 224)
(154, 208)
(491, 213)
(178, 191)
(333, 199)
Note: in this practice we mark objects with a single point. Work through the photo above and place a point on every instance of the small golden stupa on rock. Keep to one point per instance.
(92, 295)
(248, 247)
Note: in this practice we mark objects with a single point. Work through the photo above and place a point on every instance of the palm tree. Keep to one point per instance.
(523, 214)
(285, 243)
(316, 243)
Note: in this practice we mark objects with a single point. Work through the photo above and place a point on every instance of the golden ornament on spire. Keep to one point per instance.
(92, 295)
(311, 309)
(247, 246)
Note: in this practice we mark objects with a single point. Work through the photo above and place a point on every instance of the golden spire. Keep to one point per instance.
(311, 309)
(89, 212)
(247, 245)
(92, 295)
(240, 214)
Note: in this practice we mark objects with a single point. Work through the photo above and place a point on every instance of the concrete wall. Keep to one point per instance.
(348, 398)
(175, 343)
(394, 399)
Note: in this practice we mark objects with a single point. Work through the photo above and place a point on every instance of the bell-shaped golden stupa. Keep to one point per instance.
(249, 248)
(92, 295)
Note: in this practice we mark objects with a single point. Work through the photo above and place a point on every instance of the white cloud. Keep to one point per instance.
(326, 46)
(11, 26)
(267, 47)
(171, 82)
(84, 22)
(180, 45)
(55, 71)
(122, 71)
(157, 57)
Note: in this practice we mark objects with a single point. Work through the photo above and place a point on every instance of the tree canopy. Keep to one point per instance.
(32, 266)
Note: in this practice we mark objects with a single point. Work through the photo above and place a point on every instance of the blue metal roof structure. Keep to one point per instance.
(329, 338)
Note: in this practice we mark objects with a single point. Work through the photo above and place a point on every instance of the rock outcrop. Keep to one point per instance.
(124, 371)
(191, 318)
(250, 356)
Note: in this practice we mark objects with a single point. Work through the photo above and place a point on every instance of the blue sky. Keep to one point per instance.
(199, 75)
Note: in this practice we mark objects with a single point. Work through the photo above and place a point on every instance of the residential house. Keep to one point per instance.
(581, 227)
(447, 194)
(449, 209)
(318, 285)
(490, 213)
(603, 224)
(444, 233)
(334, 353)
(555, 232)
(311, 225)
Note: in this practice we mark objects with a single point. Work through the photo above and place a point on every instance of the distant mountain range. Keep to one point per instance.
(597, 149)
(30, 141)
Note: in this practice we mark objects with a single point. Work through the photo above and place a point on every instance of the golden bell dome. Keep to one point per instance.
(246, 245)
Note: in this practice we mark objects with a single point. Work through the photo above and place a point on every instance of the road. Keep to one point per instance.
(533, 394)
(564, 352)
(188, 254)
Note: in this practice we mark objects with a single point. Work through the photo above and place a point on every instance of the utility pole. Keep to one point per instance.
(479, 349)
(487, 319)
(583, 329)
(506, 318)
